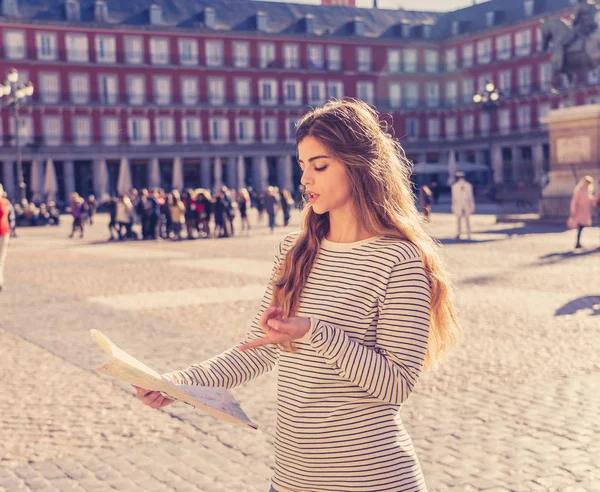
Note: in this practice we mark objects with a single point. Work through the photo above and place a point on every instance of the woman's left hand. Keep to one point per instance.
(280, 330)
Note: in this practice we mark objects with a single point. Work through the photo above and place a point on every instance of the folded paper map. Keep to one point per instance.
(218, 402)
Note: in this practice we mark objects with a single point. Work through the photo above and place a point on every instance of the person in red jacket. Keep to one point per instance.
(4, 232)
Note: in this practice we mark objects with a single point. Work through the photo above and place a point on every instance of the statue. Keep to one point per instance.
(576, 47)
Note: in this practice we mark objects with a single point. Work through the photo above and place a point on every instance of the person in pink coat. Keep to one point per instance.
(581, 205)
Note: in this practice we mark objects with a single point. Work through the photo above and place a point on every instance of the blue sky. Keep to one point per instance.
(441, 5)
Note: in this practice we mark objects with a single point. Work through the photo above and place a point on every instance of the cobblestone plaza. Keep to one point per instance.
(515, 408)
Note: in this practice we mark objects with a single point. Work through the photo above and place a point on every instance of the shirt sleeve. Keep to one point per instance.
(233, 368)
(390, 370)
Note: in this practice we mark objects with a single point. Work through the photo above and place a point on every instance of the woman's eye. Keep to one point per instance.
(320, 168)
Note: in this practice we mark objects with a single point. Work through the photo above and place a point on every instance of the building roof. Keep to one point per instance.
(288, 18)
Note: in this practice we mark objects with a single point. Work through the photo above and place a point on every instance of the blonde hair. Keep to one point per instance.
(380, 189)
(586, 181)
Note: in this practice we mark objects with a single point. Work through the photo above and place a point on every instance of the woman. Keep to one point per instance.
(124, 216)
(77, 208)
(581, 206)
(243, 205)
(426, 198)
(177, 214)
(286, 204)
(360, 304)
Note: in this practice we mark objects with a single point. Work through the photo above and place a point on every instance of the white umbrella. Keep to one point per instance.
(124, 181)
(35, 183)
(154, 174)
(177, 174)
(102, 178)
(50, 183)
(451, 167)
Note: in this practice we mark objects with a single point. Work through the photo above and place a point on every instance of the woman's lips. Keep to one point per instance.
(312, 196)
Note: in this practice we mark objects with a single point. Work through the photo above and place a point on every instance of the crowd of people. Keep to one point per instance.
(192, 214)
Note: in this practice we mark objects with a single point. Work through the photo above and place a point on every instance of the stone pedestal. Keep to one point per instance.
(574, 153)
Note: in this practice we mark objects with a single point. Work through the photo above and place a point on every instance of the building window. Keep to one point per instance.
(162, 89)
(393, 61)
(593, 77)
(267, 90)
(334, 58)
(292, 92)
(52, 130)
(451, 93)
(316, 92)
(467, 55)
(190, 130)
(77, 48)
(107, 88)
(523, 43)
(134, 50)
(14, 45)
(25, 125)
(484, 51)
(468, 124)
(410, 60)
(216, 91)
(242, 92)
(432, 94)
(543, 112)
(412, 128)
(266, 55)
(484, 123)
(412, 94)
(451, 60)
(214, 53)
(433, 128)
(268, 130)
(189, 90)
(315, 57)
(524, 75)
(395, 94)
(241, 54)
(365, 91)
(244, 130)
(105, 49)
(49, 88)
(291, 56)
(431, 61)
(503, 47)
(188, 52)
(139, 131)
(110, 131)
(335, 89)
(468, 89)
(450, 125)
(80, 88)
(159, 51)
(219, 130)
(504, 120)
(482, 81)
(363, 59)
(164, 130)
(524, 117)
(46, 45)
(82, 130)
(504, 82)
(136, 89)
(290, 129)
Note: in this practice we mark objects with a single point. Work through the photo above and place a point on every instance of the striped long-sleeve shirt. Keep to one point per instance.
(339, 394)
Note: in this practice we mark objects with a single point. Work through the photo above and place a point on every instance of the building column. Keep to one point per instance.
(8, 179)
(177, 182)
(241, 172)
(205, 173)
(153, 173)
(218, 174)
(100, 172)
(517, 163)
(36, 180)
(497, 164)
(232, 178)
(69, 175)
(537, 151)
(284, 173)
(260, 172)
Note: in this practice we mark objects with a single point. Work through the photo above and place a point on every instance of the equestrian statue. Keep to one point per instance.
(575, 45)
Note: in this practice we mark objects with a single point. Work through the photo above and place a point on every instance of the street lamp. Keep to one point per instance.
(488, 99)
(15, 96)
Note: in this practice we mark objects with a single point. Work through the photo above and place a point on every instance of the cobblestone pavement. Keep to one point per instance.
(515, 408)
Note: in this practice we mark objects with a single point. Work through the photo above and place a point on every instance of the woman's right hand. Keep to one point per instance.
(154, 399)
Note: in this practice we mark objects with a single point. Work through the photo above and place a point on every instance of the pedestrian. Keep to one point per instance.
(12, 217)
(91, 209)
(124, 217)
(582, 202)
(78, 211)
(111, 207)
(435, 192)
(426, 197)
(270, 203)
(243, 205)
(177, 214)
(359, 305)
(4, 232)
(286, 204)
(463, 203)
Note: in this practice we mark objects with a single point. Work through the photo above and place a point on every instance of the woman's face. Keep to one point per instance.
(323, 176)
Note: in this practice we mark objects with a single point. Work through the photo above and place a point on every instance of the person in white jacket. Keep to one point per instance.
(463, 203)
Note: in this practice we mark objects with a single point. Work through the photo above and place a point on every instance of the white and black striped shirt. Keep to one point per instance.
(339, 394)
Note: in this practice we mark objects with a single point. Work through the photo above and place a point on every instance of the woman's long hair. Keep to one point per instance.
(586, 182)
(381, 192)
